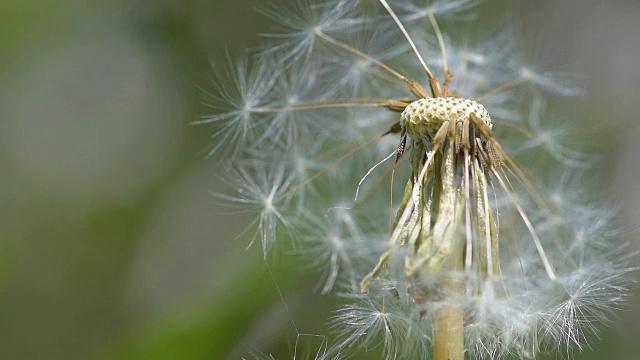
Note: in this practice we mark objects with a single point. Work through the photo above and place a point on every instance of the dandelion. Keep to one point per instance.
(321, 352)
(397, 159)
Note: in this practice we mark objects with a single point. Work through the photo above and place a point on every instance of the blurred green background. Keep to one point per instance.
(110, 245)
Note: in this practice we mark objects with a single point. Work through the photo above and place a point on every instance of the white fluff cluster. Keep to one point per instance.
(301, 123)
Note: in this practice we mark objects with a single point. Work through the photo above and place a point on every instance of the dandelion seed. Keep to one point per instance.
(460, 255)
(263, 190)
(300, 25)
(242, 91)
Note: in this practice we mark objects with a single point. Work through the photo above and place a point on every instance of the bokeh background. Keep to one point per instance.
(111, 246)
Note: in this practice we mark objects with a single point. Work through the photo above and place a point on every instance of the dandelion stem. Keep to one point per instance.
(448, 327)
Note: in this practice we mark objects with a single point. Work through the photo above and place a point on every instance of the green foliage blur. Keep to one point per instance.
(110, 245)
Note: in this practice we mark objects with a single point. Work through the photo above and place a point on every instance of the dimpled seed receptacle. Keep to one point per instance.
(423, 117)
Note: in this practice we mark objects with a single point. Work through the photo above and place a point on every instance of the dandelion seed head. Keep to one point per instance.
(415, 205)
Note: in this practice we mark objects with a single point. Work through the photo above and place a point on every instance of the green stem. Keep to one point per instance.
(448, 327)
